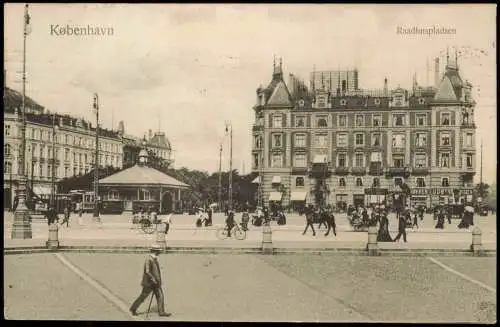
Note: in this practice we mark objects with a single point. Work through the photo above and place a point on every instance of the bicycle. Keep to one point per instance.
(237, 231)
(148, 226)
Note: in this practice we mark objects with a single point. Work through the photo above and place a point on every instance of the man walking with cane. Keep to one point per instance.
(151, 282)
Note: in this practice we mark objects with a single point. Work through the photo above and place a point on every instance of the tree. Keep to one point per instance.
(482, 190)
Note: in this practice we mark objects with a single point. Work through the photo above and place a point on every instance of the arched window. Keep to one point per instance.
(359, 182)
(299, 181)
(376, 182)
(342, 182)
(6, 150)
(7, 168)
(322, 122)
(420, 182)
(113, 195)
(445, 182)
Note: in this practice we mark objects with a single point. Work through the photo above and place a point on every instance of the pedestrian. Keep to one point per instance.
(66, 216)
(415, 219)
(209, 221)
(440, 219)
(51, 215)
(319, 213)
(229, 222)
(151, 282)
(168, 222)
(309, 219)
(330, 219)
(245, 218)
(401, 228)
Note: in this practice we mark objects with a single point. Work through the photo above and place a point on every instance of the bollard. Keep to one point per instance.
(372, 245)
(267, 239)
(161, 239)
(477, 242)
(53, 242)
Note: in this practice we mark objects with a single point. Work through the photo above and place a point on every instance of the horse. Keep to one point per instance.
(327, 218)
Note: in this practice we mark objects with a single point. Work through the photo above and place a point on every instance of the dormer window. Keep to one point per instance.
(301, 103)
(377, 102)
(398, 99)
(421, 101)
(321, 101)
(343, 102)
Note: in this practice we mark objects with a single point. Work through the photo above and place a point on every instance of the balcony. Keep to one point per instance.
(398, 171)
(257, 128)
(358, 171)
(398, 150)
(375, 169)
(420, 171)
(319, 170)
(341, 170)
(468, 125)
(299, 170)
(42, 160)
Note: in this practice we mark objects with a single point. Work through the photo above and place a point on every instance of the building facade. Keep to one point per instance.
(74, 143)
(353, 147)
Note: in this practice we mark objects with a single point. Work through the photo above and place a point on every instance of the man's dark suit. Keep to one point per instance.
(401, 228)
(151, 282)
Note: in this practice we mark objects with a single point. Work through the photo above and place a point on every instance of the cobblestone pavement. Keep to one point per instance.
(255, 288)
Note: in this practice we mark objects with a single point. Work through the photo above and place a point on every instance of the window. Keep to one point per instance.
(256, 160)
(300, 121)
(277, 140)
(445, 119)
(57, 153)
(398, 161)
(113, 195)
(420, 139)
(33, 134)
(300, 140)
(468, 140)
(66, 171)
(341, 182)
(299, 182)
(33, 149)
(421, 120)
(321, 122)
(321, 101)
(80, 158)
(66, 154)
(277, 121)
(360, 120)
(74, 158)
(359, 160)
(445, 182)
(398, 181)
(342, 160)
(398, 141)
(6, 150)
(321, 140)
(420, 182)
(445, 139)
(359, 182)
(66, 139)
(86, 158)
(7, 168)
(6, 130)
(258, 141)
(469, 160)
(342, 120)
(40, 170)
(444, 161)
(376, 157)
(376, 182)
(376, 139)
(300, 160)
(420, 160)
(42, 151)
(398, 120)
(276, 160)
(342, 140)
(49, 152)
(75, 172)
(144, 195)
(359, 139)
(49, 170)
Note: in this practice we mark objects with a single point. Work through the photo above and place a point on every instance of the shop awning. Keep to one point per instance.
(39, 190)
(276, 180)
(320, 159)
(298, 196)
(256, 180)
(275, 196)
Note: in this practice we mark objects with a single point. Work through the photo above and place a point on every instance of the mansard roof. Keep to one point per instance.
(280, 96)
(446, 91)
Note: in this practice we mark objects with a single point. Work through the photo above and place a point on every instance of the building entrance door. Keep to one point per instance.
(7, 198)
(358, 200)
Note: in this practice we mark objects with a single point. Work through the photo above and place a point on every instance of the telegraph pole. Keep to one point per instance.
(220, 177)
(21, 228)
(230, 128)
(481, 171)
(53, 177)
(96, 170)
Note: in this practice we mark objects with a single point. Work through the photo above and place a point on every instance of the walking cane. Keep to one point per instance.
(151, 301)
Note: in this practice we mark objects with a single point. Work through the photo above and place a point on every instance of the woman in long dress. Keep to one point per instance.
(383, 232)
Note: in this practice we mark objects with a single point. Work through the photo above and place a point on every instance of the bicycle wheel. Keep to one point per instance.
(221, 233)
(239, 234)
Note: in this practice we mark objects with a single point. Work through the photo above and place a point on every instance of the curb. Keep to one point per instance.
(276, 251)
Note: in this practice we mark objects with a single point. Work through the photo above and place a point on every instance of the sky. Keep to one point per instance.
(187, 69)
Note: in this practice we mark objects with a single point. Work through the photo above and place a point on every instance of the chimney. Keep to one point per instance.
(436, 72)
(150, 134)
(386, 90)
(121, 127)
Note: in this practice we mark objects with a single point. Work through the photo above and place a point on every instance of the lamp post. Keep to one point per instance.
(96, 170)
(220, 177)
(229, 127)
(21, 228)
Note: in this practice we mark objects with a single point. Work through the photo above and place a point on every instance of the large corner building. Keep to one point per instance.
(334, 143)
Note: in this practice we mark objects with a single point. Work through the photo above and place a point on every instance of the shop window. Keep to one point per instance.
(376, 182)
(359, 182)
(420, 182)
(445, 182)
(299, 182)
(342, 182)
